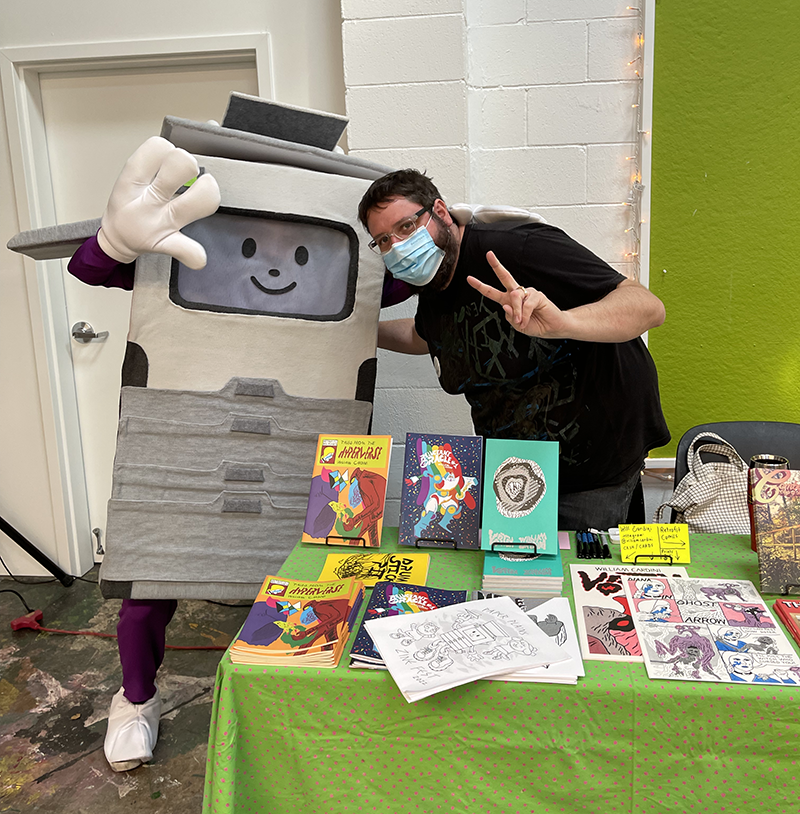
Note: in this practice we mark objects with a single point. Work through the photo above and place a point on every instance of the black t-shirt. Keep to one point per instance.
(600, 401)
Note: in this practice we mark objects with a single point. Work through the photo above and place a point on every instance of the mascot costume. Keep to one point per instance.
(253, 329)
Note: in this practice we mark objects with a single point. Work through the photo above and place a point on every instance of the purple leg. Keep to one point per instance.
(141, 634)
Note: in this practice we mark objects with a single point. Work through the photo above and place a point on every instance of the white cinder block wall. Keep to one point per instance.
(521, 102)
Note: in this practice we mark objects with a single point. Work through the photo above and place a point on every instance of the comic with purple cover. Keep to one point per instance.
(394, 599)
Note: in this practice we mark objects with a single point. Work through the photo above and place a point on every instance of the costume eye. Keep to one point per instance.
(301, 255)
(249, 247)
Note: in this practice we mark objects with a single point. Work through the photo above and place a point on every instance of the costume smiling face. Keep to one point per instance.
(290, 292)
(271, 264)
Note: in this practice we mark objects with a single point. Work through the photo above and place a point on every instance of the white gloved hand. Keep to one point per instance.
(464, 213)
(144, 214)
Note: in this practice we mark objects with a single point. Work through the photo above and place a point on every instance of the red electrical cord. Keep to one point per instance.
(31, 621)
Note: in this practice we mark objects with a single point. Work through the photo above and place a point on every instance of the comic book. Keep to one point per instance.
(602, 613)
(524, 603)
(393, 599)
(710, 630)
(441, 495)
(450, 646)
(348, 490)
(299, 621)
(788, 611)
(520, 496)
(372, 568)
(776, 528)
(517, 566)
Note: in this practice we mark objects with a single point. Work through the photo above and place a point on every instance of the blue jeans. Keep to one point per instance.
(596, 508)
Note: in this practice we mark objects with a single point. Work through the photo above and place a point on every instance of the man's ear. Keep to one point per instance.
(439, 209)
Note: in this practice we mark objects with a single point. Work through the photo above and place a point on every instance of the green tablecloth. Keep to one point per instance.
(344, 741)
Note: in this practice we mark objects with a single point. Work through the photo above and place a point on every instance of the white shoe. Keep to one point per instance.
(132, 731)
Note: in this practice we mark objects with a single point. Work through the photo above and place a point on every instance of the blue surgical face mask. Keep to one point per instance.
(416, 259)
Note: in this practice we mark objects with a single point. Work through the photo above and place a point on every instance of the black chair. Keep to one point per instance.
(748, 438)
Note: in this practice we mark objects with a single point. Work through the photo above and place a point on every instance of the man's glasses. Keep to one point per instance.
(402, 230)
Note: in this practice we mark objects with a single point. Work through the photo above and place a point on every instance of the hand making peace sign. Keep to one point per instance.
(527, 309)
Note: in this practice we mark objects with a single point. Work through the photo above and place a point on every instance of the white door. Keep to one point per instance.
(93, 121)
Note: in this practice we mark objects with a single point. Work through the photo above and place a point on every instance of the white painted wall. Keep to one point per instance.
(521, 102)
(307, 71)
(508, 101)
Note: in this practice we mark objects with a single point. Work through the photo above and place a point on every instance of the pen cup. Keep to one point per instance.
(760, 462)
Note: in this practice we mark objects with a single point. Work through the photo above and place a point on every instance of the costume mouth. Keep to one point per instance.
(284, 290)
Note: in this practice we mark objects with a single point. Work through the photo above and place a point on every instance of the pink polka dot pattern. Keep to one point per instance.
(344, 741)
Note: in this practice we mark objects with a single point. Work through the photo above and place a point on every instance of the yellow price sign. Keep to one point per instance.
(654, 542)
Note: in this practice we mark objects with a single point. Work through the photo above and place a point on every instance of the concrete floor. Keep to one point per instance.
(55, 691)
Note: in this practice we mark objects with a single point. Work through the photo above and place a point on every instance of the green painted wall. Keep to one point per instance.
(725, 229)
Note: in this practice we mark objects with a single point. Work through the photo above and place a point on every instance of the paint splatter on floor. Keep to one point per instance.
(55, 692)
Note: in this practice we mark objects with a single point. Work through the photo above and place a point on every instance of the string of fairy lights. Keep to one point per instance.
(635, 195)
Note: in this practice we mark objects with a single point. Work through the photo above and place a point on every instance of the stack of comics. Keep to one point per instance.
(525, 575)
(299, 622)
(711, 630)
(396, 599)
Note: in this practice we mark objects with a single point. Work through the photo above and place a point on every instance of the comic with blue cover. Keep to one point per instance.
(393, 599)
(441, 497)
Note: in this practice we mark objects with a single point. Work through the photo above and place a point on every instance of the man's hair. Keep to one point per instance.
(411, 184)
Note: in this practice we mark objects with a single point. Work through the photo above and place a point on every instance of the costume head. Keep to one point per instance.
(244, 360)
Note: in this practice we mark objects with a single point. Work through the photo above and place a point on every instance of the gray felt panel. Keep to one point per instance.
(145, 482)
(166, 589)
(174, 541)
(52, 242)
(280, 121)
(255, 397)
(203, 446)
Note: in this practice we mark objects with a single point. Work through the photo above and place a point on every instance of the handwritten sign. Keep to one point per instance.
(654, 542)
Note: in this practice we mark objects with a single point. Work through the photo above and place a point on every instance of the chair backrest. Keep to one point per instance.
(749, 437)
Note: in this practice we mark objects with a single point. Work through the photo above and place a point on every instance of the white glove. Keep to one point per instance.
(144, 214)
(464, 213)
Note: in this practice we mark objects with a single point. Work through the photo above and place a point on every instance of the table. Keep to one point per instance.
(345, 741)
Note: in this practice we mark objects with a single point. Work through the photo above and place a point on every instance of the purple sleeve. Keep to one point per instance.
(91, 265)
(394, 291)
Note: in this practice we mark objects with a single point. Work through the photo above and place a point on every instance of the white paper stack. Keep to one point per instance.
(554, 617)
(454, 645)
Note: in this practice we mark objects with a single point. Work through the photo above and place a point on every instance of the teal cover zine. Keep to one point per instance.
(516, 566)
(520, 496)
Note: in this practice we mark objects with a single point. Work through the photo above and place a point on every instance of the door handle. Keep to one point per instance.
(99, 550)
(83, 332)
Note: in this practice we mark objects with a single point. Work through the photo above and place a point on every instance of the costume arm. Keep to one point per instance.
(401, 336)
(622, 314)
(91, 265)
